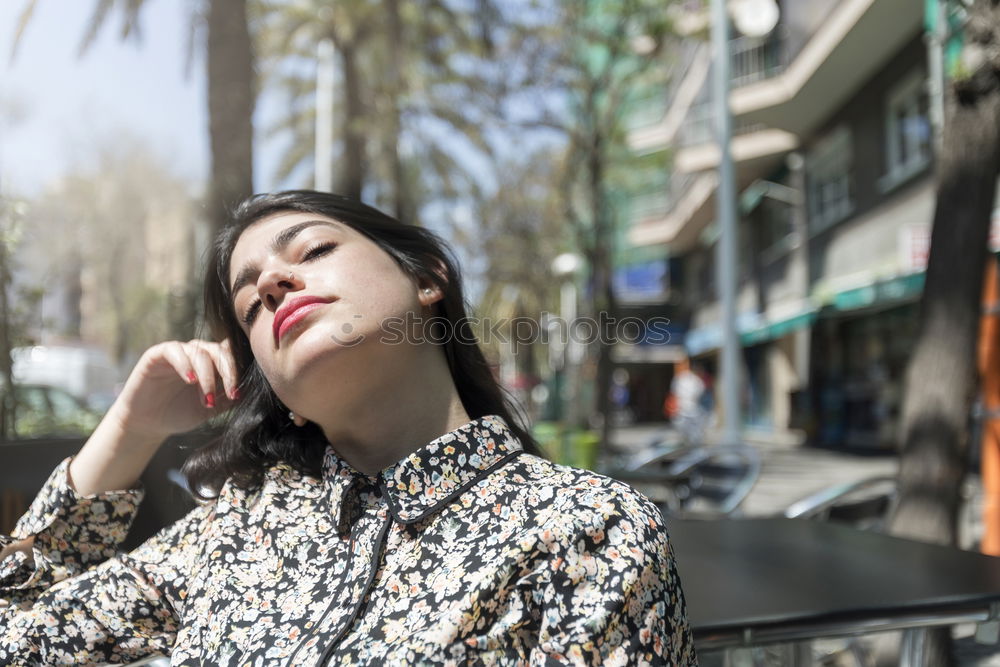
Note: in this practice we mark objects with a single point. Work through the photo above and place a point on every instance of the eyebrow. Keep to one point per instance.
(278, 244)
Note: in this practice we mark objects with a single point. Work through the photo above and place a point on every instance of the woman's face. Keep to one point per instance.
(313, 295)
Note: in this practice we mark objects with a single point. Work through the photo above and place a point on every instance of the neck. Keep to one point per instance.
(418, 404)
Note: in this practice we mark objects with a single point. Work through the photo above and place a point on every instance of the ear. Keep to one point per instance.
(430, 292)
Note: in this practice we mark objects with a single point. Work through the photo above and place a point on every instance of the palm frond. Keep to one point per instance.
(22, 24)
(97, 19)
(130, 25)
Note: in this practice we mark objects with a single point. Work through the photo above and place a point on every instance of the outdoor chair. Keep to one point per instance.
(698, 482)
(864, 504)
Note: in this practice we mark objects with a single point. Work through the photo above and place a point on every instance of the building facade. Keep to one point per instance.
(834, 151)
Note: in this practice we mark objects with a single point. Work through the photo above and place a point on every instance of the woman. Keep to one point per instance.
(371, 501)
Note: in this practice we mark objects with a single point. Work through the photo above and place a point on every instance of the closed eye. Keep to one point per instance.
(312, 253)
(318, 251)
(251, 314)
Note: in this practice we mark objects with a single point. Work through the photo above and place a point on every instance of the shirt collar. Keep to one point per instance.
(435, 474)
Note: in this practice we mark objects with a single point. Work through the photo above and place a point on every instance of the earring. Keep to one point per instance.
(291, 416)
(427, 290)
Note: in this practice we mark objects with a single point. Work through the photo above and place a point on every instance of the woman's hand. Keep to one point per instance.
(23, 546)
(176, 386)
(173, 388)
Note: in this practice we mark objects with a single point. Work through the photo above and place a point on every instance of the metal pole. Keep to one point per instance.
(323, 180)
(936, 40)
(726, 262)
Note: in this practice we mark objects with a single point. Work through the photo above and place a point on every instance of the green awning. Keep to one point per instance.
(890, 290)
(778, 328)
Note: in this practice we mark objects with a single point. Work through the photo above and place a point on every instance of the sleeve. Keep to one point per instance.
(125, 608)
(611, 595)
(72, 533)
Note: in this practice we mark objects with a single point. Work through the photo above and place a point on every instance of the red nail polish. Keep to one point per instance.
(210, 399)
(191, 377)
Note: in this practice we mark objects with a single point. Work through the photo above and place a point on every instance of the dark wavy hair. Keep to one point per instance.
(258, 433)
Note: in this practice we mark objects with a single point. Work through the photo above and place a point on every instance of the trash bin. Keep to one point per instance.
(583, 451)
(577, 448)
(548, 435)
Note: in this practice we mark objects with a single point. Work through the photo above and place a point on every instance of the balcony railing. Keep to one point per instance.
(657, 202)
(758, 58)
(698, 127)
(752, 59)
(651, 108)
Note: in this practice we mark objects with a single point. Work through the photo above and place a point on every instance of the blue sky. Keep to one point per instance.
(70, 104)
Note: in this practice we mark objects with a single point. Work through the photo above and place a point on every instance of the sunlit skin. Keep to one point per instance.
(375, 402)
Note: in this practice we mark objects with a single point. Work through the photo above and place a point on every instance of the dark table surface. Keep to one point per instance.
(769, 574)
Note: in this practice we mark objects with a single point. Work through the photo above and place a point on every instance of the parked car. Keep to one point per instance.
(80, 370)
(44, 411)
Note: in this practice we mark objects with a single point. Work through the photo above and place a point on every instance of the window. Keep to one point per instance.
(776, 230)
(908, 130)
(829, 176)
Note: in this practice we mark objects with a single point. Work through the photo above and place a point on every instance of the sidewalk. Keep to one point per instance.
(791, 471)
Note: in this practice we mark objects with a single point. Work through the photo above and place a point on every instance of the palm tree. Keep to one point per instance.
(399, 91)
(231, 87)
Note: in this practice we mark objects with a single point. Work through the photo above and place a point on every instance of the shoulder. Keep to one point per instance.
(280, 483)
(586, 497)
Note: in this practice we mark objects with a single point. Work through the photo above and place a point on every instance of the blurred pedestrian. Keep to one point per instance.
(688, 391)
(620, 396)
(371, 501)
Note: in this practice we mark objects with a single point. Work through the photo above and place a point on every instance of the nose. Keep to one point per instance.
(274, 283)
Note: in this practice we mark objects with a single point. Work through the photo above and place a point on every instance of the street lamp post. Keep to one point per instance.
(725, 260)
(755, 18)
(565, 267)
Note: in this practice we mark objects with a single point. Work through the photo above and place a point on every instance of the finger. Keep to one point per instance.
(175, 355)
(204, 368)
(22, 546)
(227, 368)
(224, 364)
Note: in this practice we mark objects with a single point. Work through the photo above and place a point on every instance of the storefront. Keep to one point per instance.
(857, 382)
(772, 369)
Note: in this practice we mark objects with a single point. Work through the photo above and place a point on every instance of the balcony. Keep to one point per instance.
(792, 79)
(852, 39)
(754, 59)
(657, 201)
(653, 123)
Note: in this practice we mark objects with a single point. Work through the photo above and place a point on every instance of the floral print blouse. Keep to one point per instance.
(468, 551)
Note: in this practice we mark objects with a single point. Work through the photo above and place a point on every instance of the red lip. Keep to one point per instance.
(289, 313)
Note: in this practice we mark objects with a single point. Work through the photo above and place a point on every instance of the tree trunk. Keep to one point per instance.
(603, 292)
(940, 378)
(401, 205)
(230, 107)
(73, 284)
(352, 177)
(939, 384)
(7, 405)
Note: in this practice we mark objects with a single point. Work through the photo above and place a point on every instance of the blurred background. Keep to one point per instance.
(569, 150)
(565, 149)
